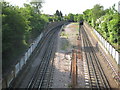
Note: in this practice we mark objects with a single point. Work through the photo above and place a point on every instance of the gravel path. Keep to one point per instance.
(62, 61)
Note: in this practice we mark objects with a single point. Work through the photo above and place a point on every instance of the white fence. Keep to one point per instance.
(24, 59)
(108, 47)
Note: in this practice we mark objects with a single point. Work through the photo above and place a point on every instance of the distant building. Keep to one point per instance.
(119, 6)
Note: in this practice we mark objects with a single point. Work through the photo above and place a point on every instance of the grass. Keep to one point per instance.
(75, 23)
(65, 45)
(63, 34)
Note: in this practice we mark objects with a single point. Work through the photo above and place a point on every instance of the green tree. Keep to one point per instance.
(58, 16)
(13, 29)
(71, 17)
(87, 15)
(37, 4)
(80, 17)
(113, 27)
(106, 22)
(61, 15)
(57, 13)
(20, 26)
(97, 12)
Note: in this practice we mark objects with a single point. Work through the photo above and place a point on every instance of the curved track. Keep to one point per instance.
(42, 74)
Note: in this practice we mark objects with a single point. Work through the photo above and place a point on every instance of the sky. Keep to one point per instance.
(68, 6)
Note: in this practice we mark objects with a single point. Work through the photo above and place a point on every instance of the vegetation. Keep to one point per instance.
(20, 26)
(63, 34)
(73, 17)
(106, 22)
(58, 16)
(65, 44)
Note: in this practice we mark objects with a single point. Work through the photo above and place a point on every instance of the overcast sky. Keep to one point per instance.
(68, 6)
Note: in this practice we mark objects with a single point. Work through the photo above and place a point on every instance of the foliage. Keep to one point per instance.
(58, 16)
(106, 22)
(20, 26)
(13, 27)
(87, 15)
(58, 13)
(80, 17)
(73, 17)
(113, 26)
(36, 4)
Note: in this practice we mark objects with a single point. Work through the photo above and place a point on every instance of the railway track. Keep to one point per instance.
(49, 72)
(41, 48)
(94, 74)
(43, 73)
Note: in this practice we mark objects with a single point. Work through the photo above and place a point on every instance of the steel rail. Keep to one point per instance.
(91, 67)
(32, 79)
(50, 69)
(32, 82)
(95, 65)
(101, 72)
(40, 65)
(47, 63)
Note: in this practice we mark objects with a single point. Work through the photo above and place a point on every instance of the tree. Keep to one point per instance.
(20, 26)
(70, 17)
(80, 17)
(106, 22)
(97, 12)
(87, 15)
(37, 4)
(65, 17)
(13, 30)
(14, 23)
(58, 15)
(76, 17)
(61, 15)
(113, 27)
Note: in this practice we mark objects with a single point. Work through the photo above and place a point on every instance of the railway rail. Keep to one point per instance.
(42, 74)
(94, 75)
(114, 71)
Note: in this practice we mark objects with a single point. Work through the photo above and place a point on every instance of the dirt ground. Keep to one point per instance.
(66, 42)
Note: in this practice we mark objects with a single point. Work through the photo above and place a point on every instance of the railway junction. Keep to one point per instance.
(69, 56)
